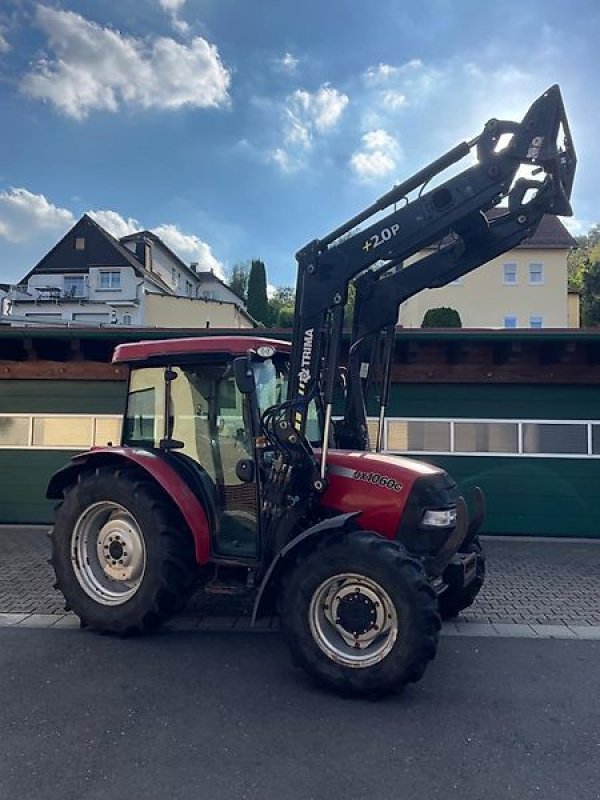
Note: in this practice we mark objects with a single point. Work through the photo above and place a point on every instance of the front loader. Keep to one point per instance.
(233, 473)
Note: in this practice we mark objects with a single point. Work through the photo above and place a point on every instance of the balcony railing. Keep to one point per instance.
(47, 294)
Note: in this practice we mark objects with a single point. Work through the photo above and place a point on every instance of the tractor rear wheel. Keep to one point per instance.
(456, 598)
(359, 615)
(123, 560)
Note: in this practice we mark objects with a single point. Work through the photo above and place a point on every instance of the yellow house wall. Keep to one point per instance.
(180, 312)
(574, 310)
(483, 300)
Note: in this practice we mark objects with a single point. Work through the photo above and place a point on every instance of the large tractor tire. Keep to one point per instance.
(359, 615)
(123, 559)
(456, 598)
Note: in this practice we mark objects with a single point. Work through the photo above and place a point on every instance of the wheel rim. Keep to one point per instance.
(353, 620)
(108, 553)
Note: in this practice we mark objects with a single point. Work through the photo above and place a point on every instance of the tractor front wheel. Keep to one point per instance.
(122, 558)
(359, 615)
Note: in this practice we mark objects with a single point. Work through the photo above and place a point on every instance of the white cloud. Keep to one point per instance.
(173, 7)
(24, 215)
(378, 157)
(287, 63)
(307, 115)
(410, 83)
(97, 68)
(285, 161)
(4, 45)
(190, 248)
(317, 111)
(114, 223)
(393, 100)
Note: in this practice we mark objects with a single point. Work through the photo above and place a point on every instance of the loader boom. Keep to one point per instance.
(451, 218)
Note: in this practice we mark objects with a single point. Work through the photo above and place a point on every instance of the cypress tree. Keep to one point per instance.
(257, 303)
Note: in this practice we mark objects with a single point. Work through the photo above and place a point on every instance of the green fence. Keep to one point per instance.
(25, 471)
(545, 494)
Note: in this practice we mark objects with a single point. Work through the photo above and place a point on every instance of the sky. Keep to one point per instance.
(241, 129)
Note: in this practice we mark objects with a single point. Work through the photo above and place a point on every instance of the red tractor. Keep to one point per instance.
(232, 470)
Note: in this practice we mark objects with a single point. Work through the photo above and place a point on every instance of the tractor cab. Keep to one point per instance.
(185, 401)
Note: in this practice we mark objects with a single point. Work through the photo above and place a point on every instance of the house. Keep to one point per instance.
(91, 278)
(525, 287)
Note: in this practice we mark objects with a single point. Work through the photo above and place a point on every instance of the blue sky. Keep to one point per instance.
(241, 129)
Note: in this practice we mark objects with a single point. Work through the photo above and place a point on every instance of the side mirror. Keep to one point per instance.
(244, 377)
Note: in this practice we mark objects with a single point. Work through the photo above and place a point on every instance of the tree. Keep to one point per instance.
(583, 266)
(441, 318)
(257, 302)
(238, 280)
(281, 307)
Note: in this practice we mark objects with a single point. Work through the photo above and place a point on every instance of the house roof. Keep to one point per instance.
(550, 234)
(50, 264)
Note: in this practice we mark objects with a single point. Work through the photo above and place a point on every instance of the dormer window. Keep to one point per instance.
(79, 243)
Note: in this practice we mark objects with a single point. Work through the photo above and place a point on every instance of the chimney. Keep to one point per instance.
(194, 266)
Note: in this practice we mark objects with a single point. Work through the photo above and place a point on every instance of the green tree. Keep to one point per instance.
(583, 267)
(590, 290)
(443, 317)
(281, 307)
(238, 280)
(257, 302)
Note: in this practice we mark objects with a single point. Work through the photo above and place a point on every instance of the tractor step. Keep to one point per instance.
(220, 587)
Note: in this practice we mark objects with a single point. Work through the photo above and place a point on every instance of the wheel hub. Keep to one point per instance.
(119, 550)
(108, 553)
(356, 612)
(353, 620)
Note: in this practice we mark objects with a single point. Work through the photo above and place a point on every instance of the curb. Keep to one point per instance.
(497, 630)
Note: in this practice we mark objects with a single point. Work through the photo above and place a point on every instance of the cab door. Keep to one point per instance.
(211, 418)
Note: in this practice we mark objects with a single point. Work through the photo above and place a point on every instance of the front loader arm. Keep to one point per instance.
(451, 212)
(380, 293)
(327, 266)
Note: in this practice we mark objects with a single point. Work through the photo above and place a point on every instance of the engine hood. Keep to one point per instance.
(391, 465)
(375, 484)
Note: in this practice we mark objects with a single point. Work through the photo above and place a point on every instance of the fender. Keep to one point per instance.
(264, 597)
(159, 470)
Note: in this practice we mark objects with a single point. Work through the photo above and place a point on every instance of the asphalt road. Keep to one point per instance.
(224, 715)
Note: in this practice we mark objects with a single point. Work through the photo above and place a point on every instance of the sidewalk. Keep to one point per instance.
(530, 585)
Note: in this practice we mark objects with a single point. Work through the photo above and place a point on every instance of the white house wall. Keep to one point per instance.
(163, 265)
(216, 290)
(94, 308)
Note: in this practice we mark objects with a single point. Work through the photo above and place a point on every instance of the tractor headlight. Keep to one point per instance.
(443, 518)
